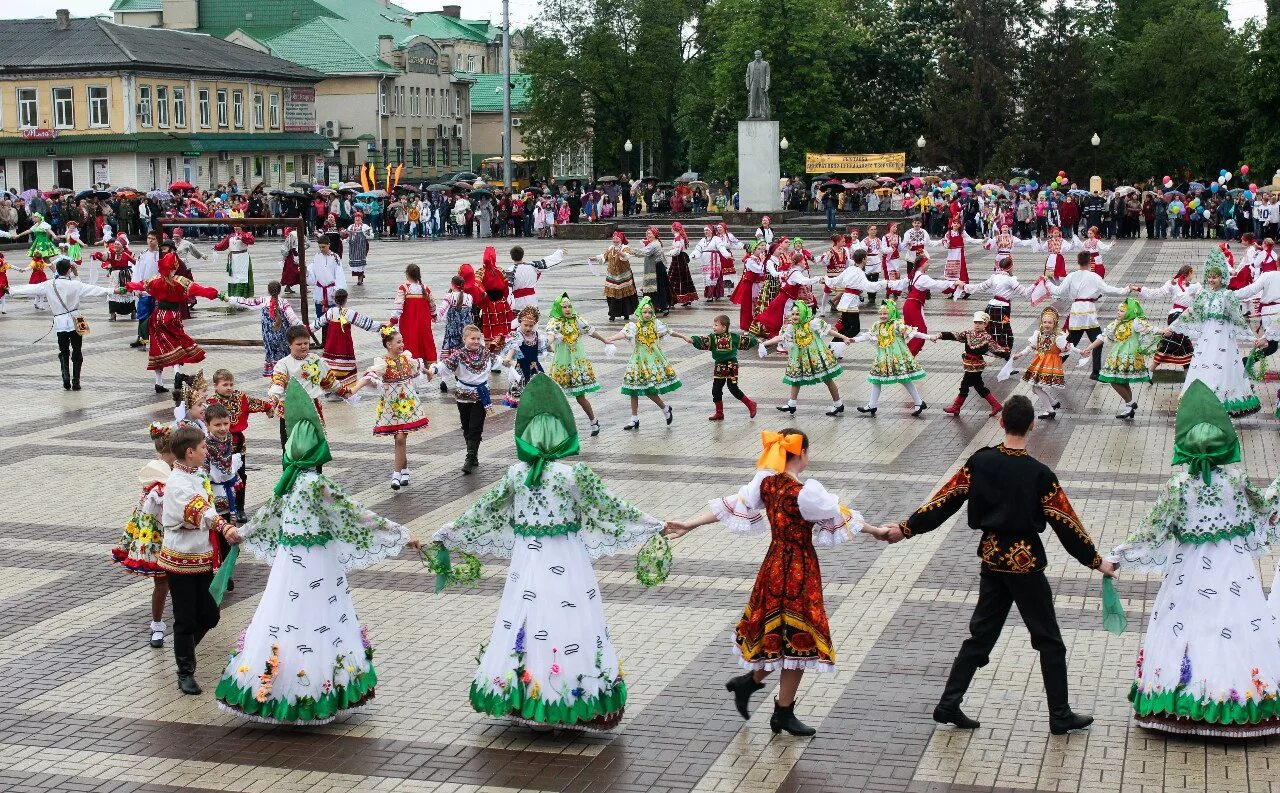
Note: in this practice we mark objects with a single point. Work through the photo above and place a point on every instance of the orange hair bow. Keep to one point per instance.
(776, 446)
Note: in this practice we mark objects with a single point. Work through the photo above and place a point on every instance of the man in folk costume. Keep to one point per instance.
(1055, 266)
(496, 318)
(63, 294)
(1084, 288)
(873, 265)
(919, 286)
(1003, 288)
(524, 277)
(324, 276)
(1266, 290)
(239, 264)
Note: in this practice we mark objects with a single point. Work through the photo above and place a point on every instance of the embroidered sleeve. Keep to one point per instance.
(944, 503)
(610, 525)
(328, 380)
(485, 527)
(701, 342)
(320, 321)
(196, 510)
(1066, 524)
(742, 512)
(747, 342)
(362, 321)
(279, 380)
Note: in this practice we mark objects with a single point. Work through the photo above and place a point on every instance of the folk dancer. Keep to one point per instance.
(1083, 289)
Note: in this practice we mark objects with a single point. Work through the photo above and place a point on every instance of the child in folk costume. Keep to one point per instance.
(724, 347)
(138, 549)
(784, 625)
(1083, 288)
(712, 252)
(549, 660)
(524, 350)
(1003, 288)
(277, 317)
(794, 286)
(1266, 290)
(1055, 265)
(919, 287)
(471, 285)
(525, 277)
(619, 282)
(891, 258)
(1243, 275)
(400, 410)
(74, 247)
(914, 244)
(123, 304)
(41, 253)
(1045, 373)
(495, 317)
(324, 276)
(169, 343)
(1133, 338)
(339, 345)
(117, 259)
(290, 273)
(648, 373)
(957, 267)
(4, 282)
(1214, 320)
(412, 314)
(467, 370)
(978, 343)
(570, 367)
(1211, 666)
(357, 236)
(309, 369)
(313, 535)
(802, 256)
(1004, 243)
(457, 310)
(1095, 247)
(239, 263)
(1175, 349)
(679, 276)
(809, 359)
(239, 407)
(894, 362)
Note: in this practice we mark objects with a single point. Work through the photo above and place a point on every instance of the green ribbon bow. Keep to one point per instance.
(538, 458)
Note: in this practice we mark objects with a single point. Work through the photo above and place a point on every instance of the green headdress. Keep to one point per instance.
(1216, 263)
(805, 312)
(895, 313)
(1132, 310)
(797, 243)
(1204, 437)
(556, 311)
(545, 429)
(751, 246)
(639, 313)
(306, 446)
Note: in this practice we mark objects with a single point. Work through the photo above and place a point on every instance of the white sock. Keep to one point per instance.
(914, 392)
(1044, 394)
(177, 369)
(791, 403)
(159, 377)
(874, 401)
(837, 403)
(157, 625)
(635, 419)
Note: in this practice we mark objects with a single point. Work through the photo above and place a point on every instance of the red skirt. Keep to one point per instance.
(170, 344)
(290, 275)
(913, 315)
(744, 295)
(339, 350)
(37, 276)
(1241, 279)
(415, 328)
(768, 323)
(495, 320)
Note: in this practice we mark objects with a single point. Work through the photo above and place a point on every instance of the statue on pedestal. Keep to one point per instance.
(758, 87)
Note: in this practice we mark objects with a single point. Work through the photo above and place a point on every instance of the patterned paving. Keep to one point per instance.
(91, 707)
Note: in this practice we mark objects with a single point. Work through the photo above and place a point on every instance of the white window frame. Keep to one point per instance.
(382, 99)
(259, 108)
(471, 63)
(457, 104)
(237, 109)
(66, 102)
(98, 107)
(33, 102)
(162, 106)
(224, 117)
(202, 102)
(274, 110)
(144, 106)
(179, 107)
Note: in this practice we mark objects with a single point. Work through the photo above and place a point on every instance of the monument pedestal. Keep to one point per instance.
(758, 170)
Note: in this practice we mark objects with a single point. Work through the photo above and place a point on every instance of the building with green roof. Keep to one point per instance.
(398, 84)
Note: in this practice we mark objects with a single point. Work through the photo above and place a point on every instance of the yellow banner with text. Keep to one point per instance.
(893, 162)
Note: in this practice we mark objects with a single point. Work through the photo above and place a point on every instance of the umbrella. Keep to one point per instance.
(1194, 186)
(665, 185)
(702, 184)
(1077, 191)
(373, 194)
(480, 192)
(834, 184)
(301, 185)
(160, 195)
(351, 186)
(532, 189)
(181, 185)
(407, 188)
(29, 194)
(61, 190)
(1236, 190)
(884, 191)
(607, 179)
(463, 184)
(886, 180)
(437, 188)
(126, 194)
(1126, 189)
(868, 183)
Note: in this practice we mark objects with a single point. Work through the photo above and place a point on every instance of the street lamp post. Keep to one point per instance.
(920, 143)
(1096, 141)
(627, 147)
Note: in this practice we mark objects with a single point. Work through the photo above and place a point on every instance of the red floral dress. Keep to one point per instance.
(784, 624)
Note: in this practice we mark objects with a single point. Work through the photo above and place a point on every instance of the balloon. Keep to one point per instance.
(1253, 186)
(1248, 195)
(1244, 169)
(1062, 174)
(1204, 212)
(1213, 188)
(1228, 175)
(1195, 202)
(1222, 172)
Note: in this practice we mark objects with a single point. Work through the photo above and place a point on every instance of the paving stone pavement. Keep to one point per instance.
(90, 706)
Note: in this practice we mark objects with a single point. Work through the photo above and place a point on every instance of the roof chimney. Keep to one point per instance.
(452, 11)
(64, 19)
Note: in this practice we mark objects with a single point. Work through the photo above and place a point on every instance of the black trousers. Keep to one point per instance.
(69, 355)
(1073, 336)
(194, 615)
(850, 323)
(997, 592)
(243, 486)
(718, 384)
(872, 277)
(471, 414)
(973, 380)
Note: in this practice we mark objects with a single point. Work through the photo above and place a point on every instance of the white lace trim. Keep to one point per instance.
(240, 714)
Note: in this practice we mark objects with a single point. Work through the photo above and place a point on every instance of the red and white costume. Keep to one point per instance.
(730, 242)
(957, 267)
(794, 283)
(713, 252)
(339, 346)
(891, 255)
(747, 292)
(169, 343)
(918, 288)
(290, 274)
(1055, 266)
(1095, 247)
(413, 315)
(495, 316)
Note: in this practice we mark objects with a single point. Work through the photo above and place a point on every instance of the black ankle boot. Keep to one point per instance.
(187, 685)
(1063, 721)
(75, 374)
(65, 363)
(951, 714)
(743, 686)
(785, 719)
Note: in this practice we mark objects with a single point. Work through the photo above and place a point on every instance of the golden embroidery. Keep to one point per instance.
(1020, 558)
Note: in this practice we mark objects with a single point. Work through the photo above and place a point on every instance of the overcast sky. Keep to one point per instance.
(522, 11)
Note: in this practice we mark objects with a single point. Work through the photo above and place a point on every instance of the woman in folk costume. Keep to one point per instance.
(169, 343)
(570, 367)
(747, 292)
(1095, 247)
(648, 373)
(653, 260)
(1004, 243)
(1132, 339)
(239, 264)
(619, 282)
(894, 362)
(919, 286)
(496, 316)
(1210, 666)
(891, 258)
(290, 274)
(523, 354)
(471, 285)
(412, 313)
(1175, 349)
(1215, 322)
(957, 267)
(678, 274)
(1045, 373)
(549, 660)
(712, 252)
(1003, 288)
(776, 261)
(730, 242)
(803, 257)
(794, 285)
(1243, 275)
(305, 658)
(1055, 266)
(834, 261)
(357, 236)
(809, 359)
(331, 232)
(784, 624)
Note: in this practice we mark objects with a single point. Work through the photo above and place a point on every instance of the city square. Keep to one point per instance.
(92, 707)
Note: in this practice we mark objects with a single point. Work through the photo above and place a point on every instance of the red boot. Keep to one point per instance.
(719, 414)
(954, 410)
(994, 403)
(751, 405)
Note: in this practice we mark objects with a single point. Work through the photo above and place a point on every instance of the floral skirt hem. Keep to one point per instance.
(650, 390)
(393, 429)
(813, 379)
(919, 374)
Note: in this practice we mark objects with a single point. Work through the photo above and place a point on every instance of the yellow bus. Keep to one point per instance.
(523, 171)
